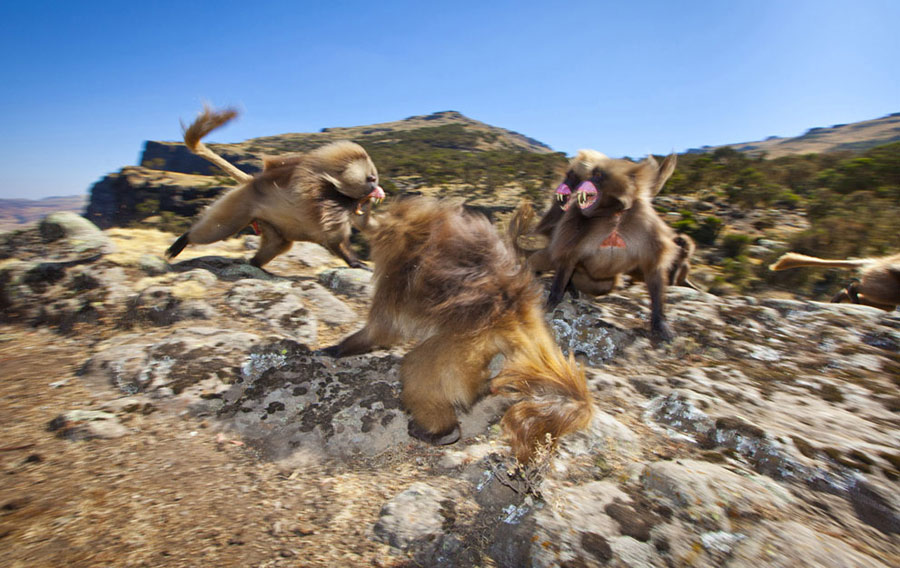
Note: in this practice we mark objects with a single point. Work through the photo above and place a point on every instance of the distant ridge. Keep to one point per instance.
(510, 139)
(852, 137)
(443, 153)
(17, 212)
(445, 130)
(483, 137)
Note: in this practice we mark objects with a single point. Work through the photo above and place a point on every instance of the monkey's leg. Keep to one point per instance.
(379, 331)
(271, 244)
(843, 295)
(560, 282)
(231, 213)
(656, 288)
(680, 277)
(440, 373)
(346, 253)
(177, 246)
(540, 261)
(853, 291)
(588, 285)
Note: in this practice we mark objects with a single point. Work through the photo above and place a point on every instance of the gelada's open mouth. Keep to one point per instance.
(375, 197)
(563, 195)
(586, 194)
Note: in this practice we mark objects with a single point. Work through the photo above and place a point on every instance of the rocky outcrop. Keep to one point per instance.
(135, 193)
(175, 157)
(765, 434)
(171, 180)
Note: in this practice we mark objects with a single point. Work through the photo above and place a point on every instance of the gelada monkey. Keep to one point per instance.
(315, 197)
(878, 285)
(677, 272)
(444, 276)
(605, 227)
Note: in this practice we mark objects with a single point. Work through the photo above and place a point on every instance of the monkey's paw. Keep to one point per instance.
(360, 264)
(439, 439)
(662, 332)
(332, 351)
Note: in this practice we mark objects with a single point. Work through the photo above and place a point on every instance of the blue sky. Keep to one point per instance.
(86, 83)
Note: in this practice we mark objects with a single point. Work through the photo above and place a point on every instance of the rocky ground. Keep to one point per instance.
(179, 414)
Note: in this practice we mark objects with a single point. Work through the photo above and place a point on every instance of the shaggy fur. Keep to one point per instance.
(314, 197)
(878, 286)
(206, 122)
(579, 171)
(592, 245)
(443, 276)
(681, 264)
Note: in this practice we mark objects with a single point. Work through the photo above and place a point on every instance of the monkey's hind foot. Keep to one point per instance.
(439, 439)
(660, 331)
(177, 246)
(356, 263)
(332, 351)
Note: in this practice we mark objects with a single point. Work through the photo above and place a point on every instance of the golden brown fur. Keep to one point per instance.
(593, 244)
(207, 121)
(443, 276)
(878, 286)
(578, 171)
(681, 264)
(314, 197)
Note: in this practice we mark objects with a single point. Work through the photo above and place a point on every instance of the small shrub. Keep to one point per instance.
(708, 230)
(735, 244)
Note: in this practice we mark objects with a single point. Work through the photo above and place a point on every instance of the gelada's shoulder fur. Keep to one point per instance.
(314, 171)
(333, 156)
(445, 277)
(460, 270)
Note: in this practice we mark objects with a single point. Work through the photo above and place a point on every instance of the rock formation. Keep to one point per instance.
(766, 434)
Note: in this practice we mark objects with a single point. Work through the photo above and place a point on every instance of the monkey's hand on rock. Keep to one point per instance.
(359, 264)
(333, 351)
(439, 439)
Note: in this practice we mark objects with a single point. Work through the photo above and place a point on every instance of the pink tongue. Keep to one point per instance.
(587, 187)
(377, 193)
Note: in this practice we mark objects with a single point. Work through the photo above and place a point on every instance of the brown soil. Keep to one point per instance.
(168, 494)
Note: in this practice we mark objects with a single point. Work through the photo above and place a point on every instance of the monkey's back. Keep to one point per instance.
(882, 280)
(445, 267)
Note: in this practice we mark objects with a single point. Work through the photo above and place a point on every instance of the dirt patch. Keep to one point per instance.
(169, 493)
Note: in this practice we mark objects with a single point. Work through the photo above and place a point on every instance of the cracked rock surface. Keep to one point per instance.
(192, 402)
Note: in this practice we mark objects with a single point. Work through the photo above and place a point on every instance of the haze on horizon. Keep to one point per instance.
(88, 82)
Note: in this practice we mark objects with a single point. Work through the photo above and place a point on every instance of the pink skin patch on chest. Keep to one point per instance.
(614, 240)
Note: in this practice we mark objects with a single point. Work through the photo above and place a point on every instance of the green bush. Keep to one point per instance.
(704, 232)
(737, 271)
(735, 245)
(147, 207)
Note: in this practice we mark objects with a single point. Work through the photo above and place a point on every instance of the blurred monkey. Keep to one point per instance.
(445, 277)
(878, 285)
(314, 197)
(613, 230)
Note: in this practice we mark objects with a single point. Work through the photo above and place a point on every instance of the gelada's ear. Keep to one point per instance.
(663, 173)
